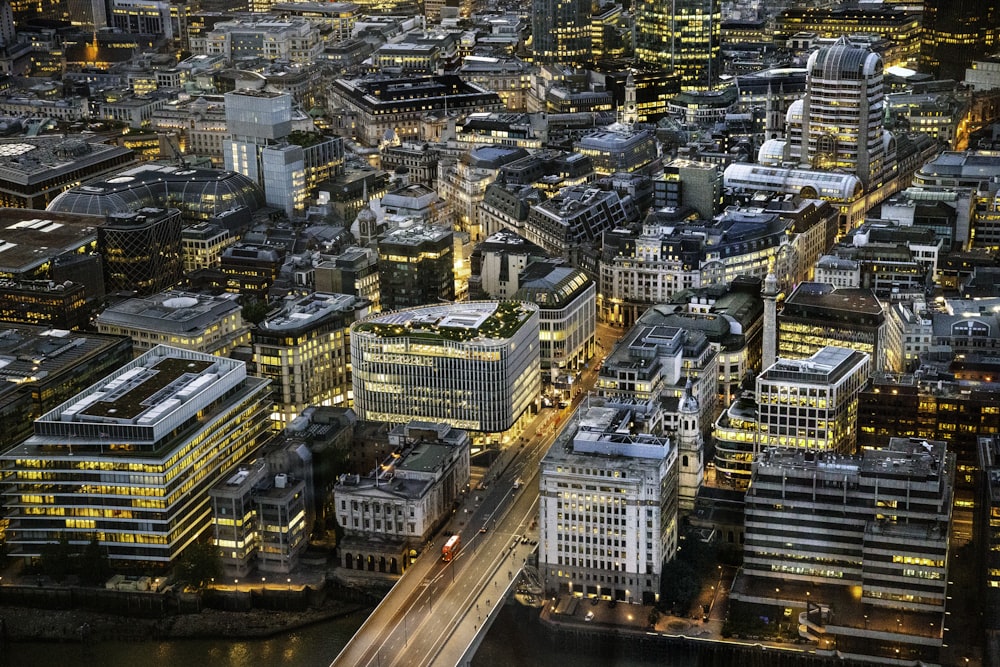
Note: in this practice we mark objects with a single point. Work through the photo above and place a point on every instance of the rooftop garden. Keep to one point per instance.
(502, 324)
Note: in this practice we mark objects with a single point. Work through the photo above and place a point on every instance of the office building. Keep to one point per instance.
(250, 270)
(400, 104)
(689, 183)
(684, 36)
(198, 322)
(899, 27)
(353, 271)
(129, 460)
(202, 246)
(957, 33)
(988, 506)
(259, 520)
(263, 148)
(561, 32)
(617, 149)
(463, 181)
(42, 367)
(578, 215)
(141, 250)
(304, 350)
(473, 365)
(402, 502)
(59, 305)
(818, 536)
(649, 369)
(37, 169)
(812, 403)
(607, 508)
(416, 266)
(674, 251)
(816, 315)
(293, 39)
(566, 300)
(199, 194)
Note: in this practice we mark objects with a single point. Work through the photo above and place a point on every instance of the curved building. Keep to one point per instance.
(199, 194)
(473, 365)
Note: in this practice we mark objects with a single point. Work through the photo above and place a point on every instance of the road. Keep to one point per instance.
(435, 610)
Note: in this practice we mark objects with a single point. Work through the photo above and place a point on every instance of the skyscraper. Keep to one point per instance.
(842, 113)
(683, 36)
(561, 31)
(956, 32)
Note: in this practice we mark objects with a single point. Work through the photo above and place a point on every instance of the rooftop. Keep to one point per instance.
(173, 311)
(31, 238)
(468, 321)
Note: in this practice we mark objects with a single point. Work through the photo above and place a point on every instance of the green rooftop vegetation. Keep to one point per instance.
(502, 324)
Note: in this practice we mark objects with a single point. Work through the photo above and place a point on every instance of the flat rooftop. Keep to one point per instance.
(31, 237)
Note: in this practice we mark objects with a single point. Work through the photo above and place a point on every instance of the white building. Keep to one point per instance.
(404, 499)
(607, 508)
(473, 365)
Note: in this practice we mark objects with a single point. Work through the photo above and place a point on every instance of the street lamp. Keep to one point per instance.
(289, 580)
(237, 583)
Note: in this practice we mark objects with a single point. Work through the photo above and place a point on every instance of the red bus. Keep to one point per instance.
(450, 548)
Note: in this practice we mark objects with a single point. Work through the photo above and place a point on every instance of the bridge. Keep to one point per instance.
(438, 612)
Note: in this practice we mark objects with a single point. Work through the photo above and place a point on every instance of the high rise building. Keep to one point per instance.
(607, 508)
(561, 31)
(129, 460)
(956, 32)
(305, 351)
(842, 113)
(261, 146)
(812, 403)
(141, 250)
(684, 36)
(473, 365)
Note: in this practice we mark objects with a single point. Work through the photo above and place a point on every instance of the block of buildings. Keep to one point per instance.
(111, 461)
(607, 508)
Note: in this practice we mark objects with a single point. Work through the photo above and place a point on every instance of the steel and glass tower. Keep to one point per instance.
(683, 36)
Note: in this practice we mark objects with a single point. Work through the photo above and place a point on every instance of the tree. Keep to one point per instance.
(199, 564)
(255, 310)
(56, 558)
(94, 568)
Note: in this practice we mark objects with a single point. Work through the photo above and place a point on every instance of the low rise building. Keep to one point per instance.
(198, 322)
(400, 504)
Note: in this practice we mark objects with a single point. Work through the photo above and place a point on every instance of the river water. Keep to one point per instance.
(513, 640)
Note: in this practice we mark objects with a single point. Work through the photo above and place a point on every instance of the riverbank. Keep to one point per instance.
(75, 625)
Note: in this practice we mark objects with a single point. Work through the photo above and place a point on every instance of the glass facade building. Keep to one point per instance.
(473, 365)
(130, 459)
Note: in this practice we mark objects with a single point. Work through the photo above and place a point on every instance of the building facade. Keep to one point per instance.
(130, 459)
(473, 365)
(607, 509)
(305, 351)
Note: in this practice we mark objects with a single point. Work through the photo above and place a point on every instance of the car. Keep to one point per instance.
(594, 600)
(589, 617)
(483, 529)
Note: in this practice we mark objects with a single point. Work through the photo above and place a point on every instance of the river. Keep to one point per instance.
(513, 640)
